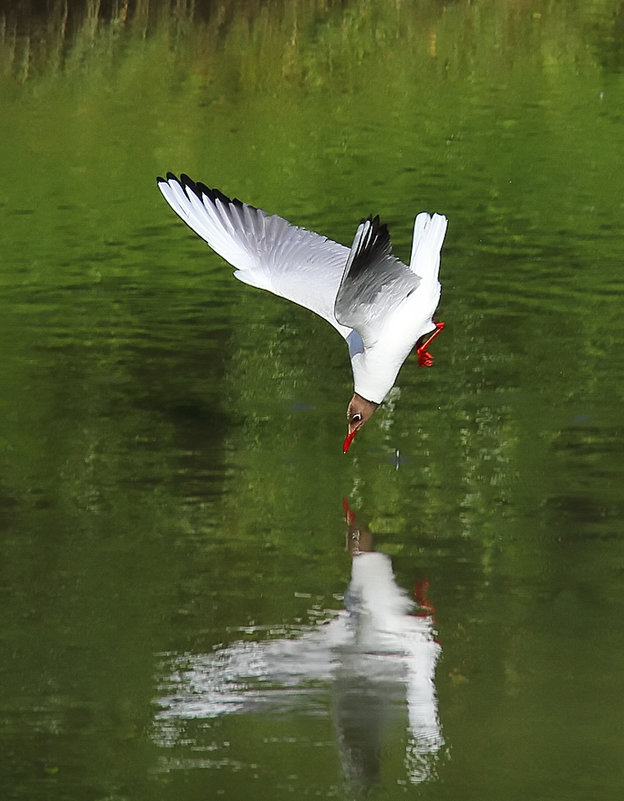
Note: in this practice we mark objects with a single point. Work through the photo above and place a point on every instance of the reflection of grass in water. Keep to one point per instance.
(258, 45)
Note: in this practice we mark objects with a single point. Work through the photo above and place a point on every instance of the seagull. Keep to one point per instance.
(382, 307)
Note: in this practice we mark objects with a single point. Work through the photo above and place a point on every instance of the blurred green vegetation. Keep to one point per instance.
(170, 440)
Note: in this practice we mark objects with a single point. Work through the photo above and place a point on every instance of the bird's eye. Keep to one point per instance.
(355, 418)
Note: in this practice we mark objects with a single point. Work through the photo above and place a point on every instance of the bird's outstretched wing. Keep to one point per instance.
(374, 282)
(266, 250)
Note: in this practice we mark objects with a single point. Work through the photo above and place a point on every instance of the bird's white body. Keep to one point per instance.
(376, 367)
(379, 305)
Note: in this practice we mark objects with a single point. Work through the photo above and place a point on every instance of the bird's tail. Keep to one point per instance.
(429, 232)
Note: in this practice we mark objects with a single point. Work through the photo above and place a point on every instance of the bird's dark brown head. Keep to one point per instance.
(359, 411)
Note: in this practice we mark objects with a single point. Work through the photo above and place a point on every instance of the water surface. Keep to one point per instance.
(187, 612)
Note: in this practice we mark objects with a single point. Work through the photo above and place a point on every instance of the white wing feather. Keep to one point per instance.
(266, 250)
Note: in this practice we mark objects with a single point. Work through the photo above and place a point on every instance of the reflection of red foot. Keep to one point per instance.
(420, 593)
(349, 513)
(426, 359)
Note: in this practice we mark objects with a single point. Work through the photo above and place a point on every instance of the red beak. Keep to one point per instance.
(349, 440)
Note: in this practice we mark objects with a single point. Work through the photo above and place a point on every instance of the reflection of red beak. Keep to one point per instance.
(349, 440)
(349, 513)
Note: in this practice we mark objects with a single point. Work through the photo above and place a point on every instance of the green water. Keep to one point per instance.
(177, 601)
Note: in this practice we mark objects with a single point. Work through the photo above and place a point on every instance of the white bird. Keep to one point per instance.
(378, 304)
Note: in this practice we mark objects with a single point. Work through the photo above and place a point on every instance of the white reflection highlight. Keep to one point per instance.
(376, 658)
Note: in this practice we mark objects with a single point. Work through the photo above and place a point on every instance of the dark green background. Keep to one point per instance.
(171, 474)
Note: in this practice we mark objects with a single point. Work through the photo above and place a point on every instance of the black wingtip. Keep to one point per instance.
(200, 190)
(216, 194)
(372, 248)
(377, 238)
(170, 177)
(378, 230)
(188, 183)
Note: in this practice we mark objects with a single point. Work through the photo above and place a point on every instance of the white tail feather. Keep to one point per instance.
(429, 232)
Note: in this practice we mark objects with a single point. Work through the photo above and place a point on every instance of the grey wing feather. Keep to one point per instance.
(374, 281)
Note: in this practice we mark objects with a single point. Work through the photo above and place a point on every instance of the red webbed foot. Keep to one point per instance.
(426, 359)
(420, 593)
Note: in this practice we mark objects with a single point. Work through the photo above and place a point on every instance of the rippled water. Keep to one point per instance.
(201, 596)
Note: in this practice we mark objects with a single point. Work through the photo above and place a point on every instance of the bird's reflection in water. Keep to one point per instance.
(377, 657)
(390, 659)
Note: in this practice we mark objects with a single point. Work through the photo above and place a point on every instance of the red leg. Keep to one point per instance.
(426, 359)
(420, 592)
